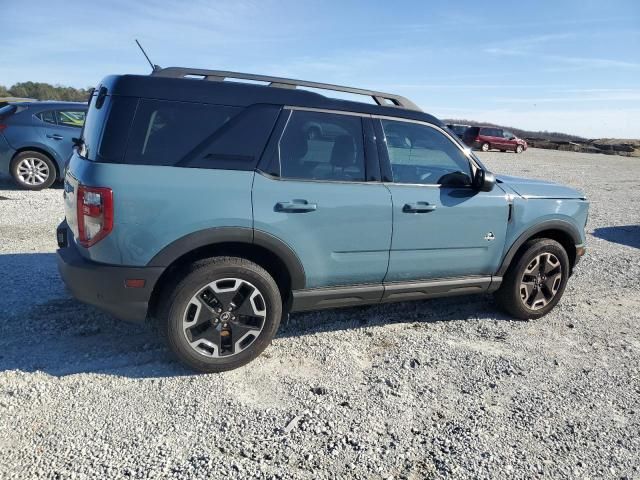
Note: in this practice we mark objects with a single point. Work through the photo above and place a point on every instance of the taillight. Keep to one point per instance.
(95, 214)
(2, 127)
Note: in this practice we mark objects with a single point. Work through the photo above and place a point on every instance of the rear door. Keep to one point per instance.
(442, 227)
(57, 129)
(315, 193)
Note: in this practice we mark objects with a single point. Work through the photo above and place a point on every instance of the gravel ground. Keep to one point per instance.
(441, 388)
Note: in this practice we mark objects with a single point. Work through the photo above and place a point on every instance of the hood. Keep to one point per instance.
(530, 188)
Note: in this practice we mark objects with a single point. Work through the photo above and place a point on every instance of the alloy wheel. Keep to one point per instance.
(224, 317)
(541, 281)
(33, 171)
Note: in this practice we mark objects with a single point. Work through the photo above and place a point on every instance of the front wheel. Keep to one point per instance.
(519, 149)
(485, 147)
(222, 314)
(535, 282)
(33, 170)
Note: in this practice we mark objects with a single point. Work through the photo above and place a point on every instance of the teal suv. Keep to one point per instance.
(213, 207)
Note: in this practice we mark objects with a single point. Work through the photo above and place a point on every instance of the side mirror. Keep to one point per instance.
(484, 181)
(512, 138)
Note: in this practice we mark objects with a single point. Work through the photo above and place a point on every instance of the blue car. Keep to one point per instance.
(36, 140)
(216, 207)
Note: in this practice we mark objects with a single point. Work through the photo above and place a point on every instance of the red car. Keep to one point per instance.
(487, 138)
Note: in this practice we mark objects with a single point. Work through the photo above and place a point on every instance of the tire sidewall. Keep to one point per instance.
(40, 156)
(196, 280)
(513, 278)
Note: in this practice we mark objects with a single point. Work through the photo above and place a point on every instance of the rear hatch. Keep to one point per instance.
(102, 140)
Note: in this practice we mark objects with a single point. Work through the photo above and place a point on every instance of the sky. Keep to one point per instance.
(568, 66)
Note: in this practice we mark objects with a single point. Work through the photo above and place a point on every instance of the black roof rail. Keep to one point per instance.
(385, 99)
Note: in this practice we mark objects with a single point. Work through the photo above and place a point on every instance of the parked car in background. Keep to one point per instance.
(493, 138)
(250, 217)
(458, 129)
(36, 140)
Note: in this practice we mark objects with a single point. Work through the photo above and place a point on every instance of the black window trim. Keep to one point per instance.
(265, 166)
(385, 164)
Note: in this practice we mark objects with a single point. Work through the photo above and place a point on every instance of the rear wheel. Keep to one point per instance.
(222, 314)
(485, 147)
(33, 170)
(519, 149)
(535, 282)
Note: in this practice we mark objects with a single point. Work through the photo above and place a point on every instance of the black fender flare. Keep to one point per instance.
(243, 235)
(561, 225)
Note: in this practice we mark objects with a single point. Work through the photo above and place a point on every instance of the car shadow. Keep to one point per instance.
(43, 329)
(628, 235)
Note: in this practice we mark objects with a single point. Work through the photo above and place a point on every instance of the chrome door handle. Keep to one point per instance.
(55, 136)
(296, 206)
(418, 207)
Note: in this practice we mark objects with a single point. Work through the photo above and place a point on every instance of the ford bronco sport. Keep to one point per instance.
(209, 207)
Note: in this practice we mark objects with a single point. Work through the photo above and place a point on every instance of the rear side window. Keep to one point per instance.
(322, 146)
(70, 118)
(48, 117)
(199, 135)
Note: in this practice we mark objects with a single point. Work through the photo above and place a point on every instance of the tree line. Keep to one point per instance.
(45, 91)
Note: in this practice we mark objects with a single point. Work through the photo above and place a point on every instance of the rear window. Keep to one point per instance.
(199, 135)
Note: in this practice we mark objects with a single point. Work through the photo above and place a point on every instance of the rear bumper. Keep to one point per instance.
(102, 285)
(6, 154)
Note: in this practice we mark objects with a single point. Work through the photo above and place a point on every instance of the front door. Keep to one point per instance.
(317, 200)
(442, 227)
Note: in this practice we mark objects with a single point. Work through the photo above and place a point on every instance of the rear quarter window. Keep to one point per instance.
(199, 135)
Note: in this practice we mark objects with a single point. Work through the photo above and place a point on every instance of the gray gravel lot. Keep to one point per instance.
(442, 388)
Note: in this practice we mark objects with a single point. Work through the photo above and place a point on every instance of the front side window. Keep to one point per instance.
(508, 135)
(71, 118)
(322, 146)
(421, 154)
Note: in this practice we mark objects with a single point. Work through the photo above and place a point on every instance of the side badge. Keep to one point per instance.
(489, 236)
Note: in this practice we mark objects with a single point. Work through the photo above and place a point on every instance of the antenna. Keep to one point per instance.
(153, 66)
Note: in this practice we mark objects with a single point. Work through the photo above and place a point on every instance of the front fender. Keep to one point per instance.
(529, 219)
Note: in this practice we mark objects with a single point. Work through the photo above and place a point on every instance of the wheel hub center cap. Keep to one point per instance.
(225, 316)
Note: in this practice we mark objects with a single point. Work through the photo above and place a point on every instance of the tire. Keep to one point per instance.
(519, 149)
(519, 294)
(33, 170)
(485, 147)
(195, 330)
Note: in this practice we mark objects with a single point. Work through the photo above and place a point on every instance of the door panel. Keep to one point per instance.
(341, 232)
(442, 227)
(450, 237)
(315, 197)
(58, 137)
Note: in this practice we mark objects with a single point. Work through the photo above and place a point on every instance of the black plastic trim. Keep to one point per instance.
(246, 235)
(321, 298)
(561, 225)
(398, 292)
(103, 286)
(353, 295)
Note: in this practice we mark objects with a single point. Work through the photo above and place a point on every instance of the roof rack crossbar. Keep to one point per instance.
(385, 99)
